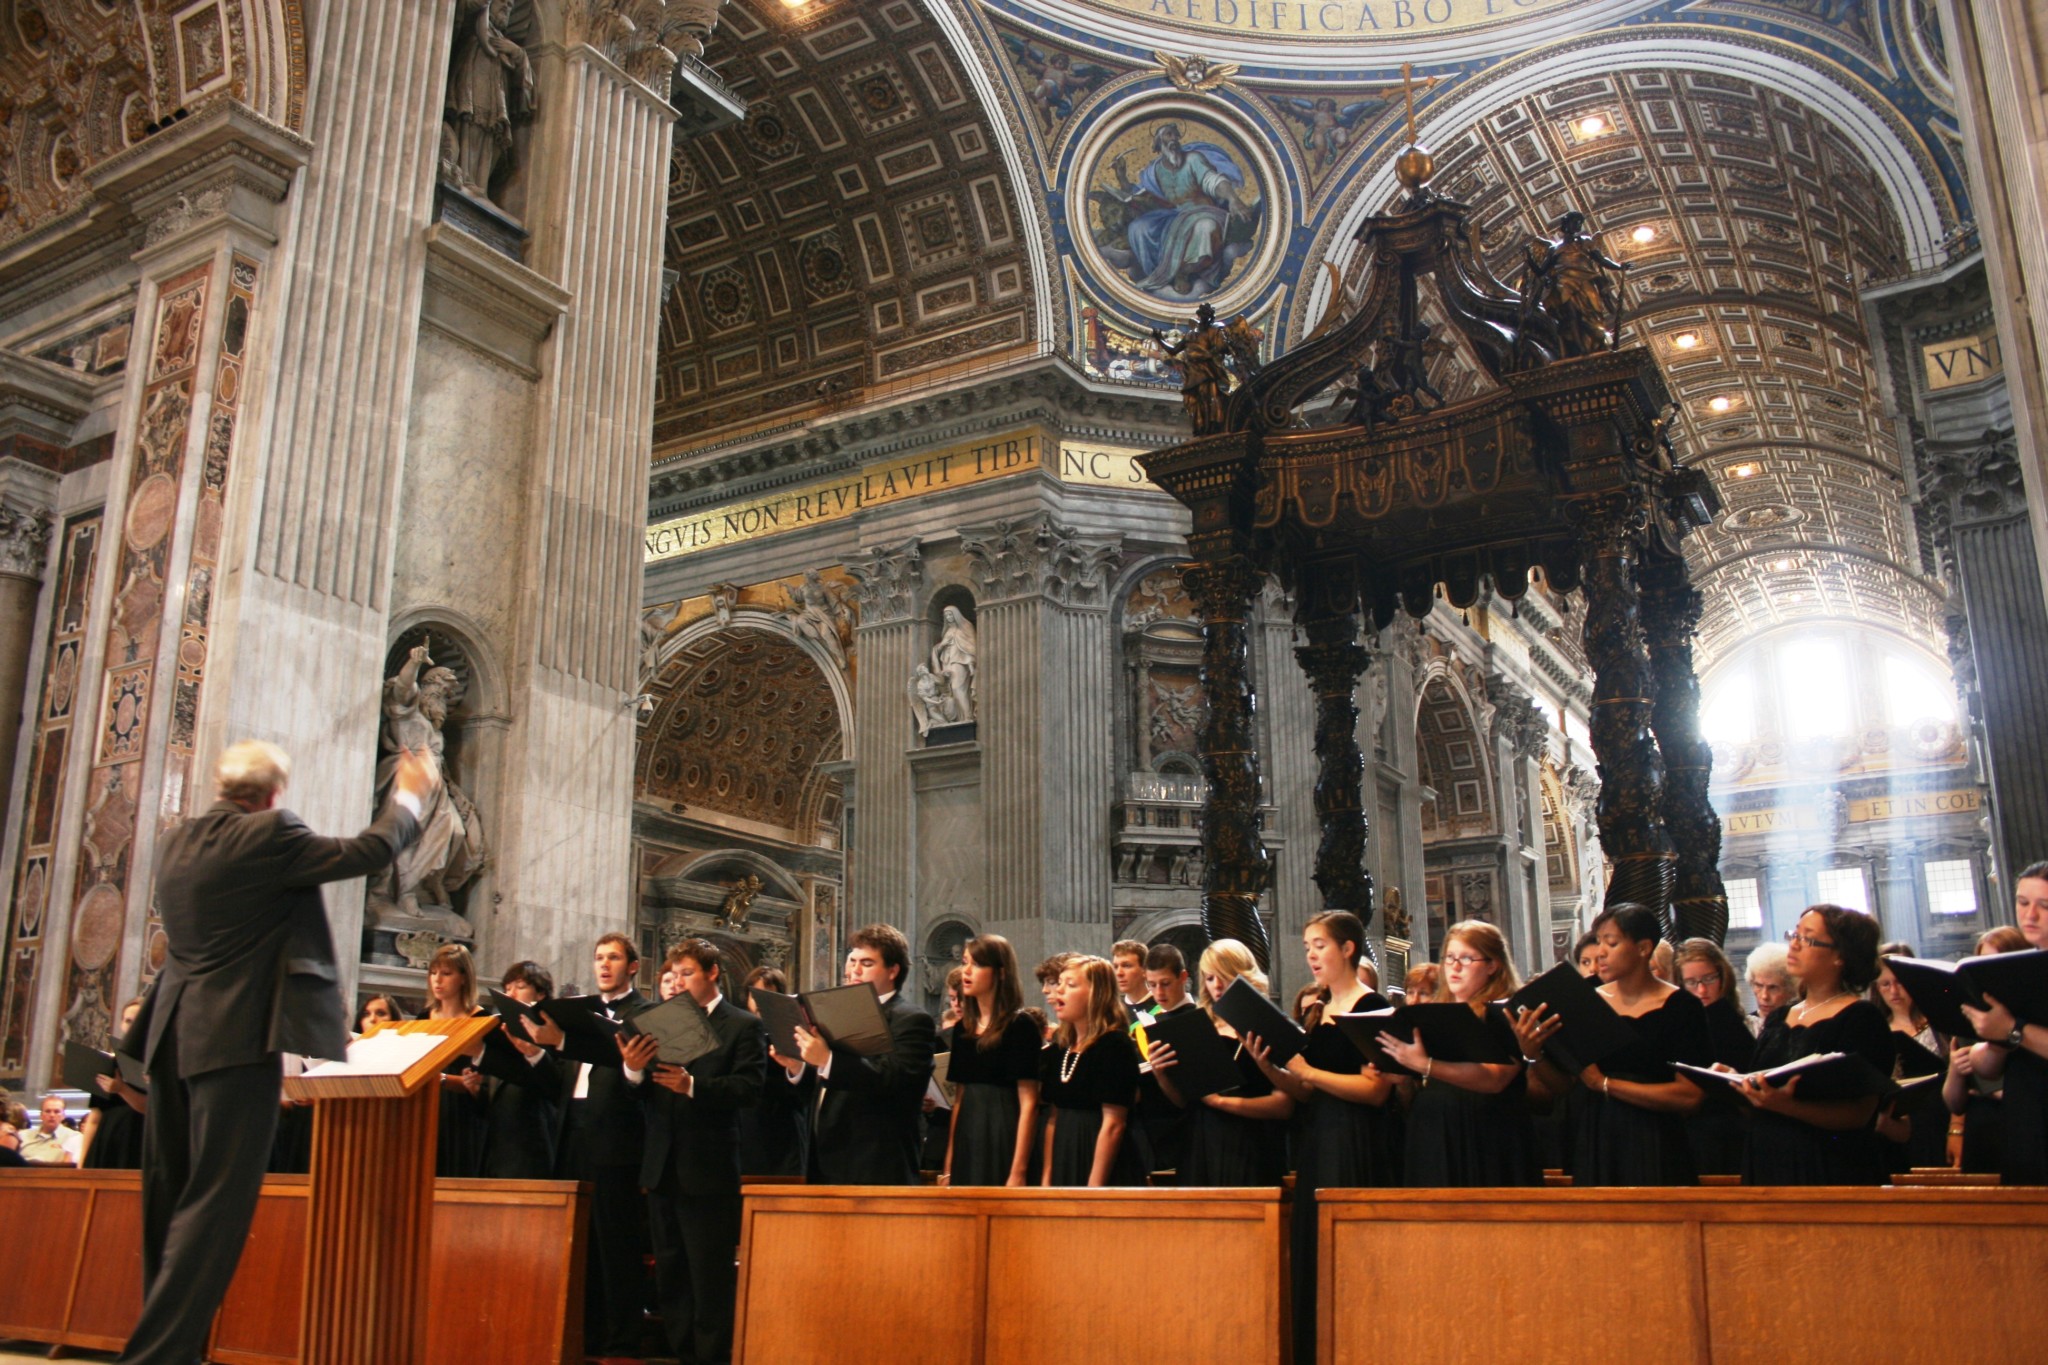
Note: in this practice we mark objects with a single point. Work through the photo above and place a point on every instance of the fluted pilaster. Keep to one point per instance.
(889, 642)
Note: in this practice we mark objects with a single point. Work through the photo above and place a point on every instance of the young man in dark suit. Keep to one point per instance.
(602, 1139)
(692, 1168)
(249, 974)
(870, 1117)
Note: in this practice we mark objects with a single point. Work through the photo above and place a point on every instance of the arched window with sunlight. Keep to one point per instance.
(1813, 686)
(1729, 716)
(1914, 693)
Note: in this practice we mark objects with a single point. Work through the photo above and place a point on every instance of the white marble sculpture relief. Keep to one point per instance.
(417, 893)
(490, 84)
(953, 661)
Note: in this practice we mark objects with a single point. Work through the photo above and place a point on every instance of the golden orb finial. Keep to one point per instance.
(1415, 166)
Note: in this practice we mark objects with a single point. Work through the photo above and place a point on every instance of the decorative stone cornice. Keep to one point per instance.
(40, 399)
(1035, 556)
(486, 301)
(886, 580)
(1517, 721)
(1046, 389)
(648, 39)
(225, 162)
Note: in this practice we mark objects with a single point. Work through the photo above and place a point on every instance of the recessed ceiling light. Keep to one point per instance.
(1685, 341)
(1720, 403)
(1742, 471)
(1592, 125)
(1643, 235)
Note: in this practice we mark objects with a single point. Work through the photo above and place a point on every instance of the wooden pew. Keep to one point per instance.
(1006, 1277)
(506, 1277)
(1728, 1276)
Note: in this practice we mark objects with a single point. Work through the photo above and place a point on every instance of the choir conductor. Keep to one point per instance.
(249, 974)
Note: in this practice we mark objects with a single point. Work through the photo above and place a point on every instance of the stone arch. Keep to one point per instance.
(742, 717)
(938, 952)
(771, 623)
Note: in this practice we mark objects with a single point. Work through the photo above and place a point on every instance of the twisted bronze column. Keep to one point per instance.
(1334, 662)
(1671, 616)
(1631, 769)
(1235, 864)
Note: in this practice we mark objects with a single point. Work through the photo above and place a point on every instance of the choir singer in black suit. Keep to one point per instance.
(692, 1167)
(249, 974)
(869, 1119)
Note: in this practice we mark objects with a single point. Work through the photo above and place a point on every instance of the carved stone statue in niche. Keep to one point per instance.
(490, 86)
(927, 699)
(417, 893)
(953, 662)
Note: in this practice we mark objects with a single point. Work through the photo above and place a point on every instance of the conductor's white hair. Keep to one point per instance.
(251, 770)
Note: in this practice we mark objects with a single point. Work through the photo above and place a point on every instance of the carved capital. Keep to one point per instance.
(886, 582)
(1036, 556)
(1517, 721)
(24, 540)
(645, 38)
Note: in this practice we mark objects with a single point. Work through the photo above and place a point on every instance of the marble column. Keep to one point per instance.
(24, 549)
(209, 193)
(1046, 730)
(305, 606)
(1518, 731)
(889, 642)
(1287, 717)
(596, 204)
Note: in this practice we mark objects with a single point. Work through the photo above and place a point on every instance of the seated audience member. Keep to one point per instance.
(1976, 1103)
(870, 1122)
(523, 1088)
(994, 1070)
(52, 1142)
(1915, 1126)
(775, 1134)
(1797, 1141)
(1089, 1079)
(1127, 962)
(1239, 1138)
(1420, 984)
(465, 1118)
(2017, 1049)
(1470, 1122)
(13, 1122)
(692, 1167)
(112, 1133)
(1716, 1131)
(1770, 985)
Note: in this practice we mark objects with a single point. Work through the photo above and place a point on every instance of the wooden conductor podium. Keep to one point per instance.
(370, 1204)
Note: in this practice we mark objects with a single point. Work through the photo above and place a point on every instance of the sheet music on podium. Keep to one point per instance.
(376, 1065)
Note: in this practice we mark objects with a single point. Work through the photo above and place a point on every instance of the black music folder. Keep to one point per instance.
(1247, 1011)
(1592, 1030)
(589, 1033)
(1205, 1061)
(844, 1016)
(83, 1067)
(2019, 981)
(680, 1027)
(519, 1016)
(1450, 1032)
(1822, 1076)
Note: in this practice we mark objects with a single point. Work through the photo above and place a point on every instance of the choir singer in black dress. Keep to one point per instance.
(1349, 1135)
(465, 1115)
(1632, 1131)
(1470, 1123)
(1089, 1078)
(1237, 1139)
(1717, 1129)
(524, 1080)
(1793, 1140)
(692, 1168)
(2017, 1049)
(995, 1067)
